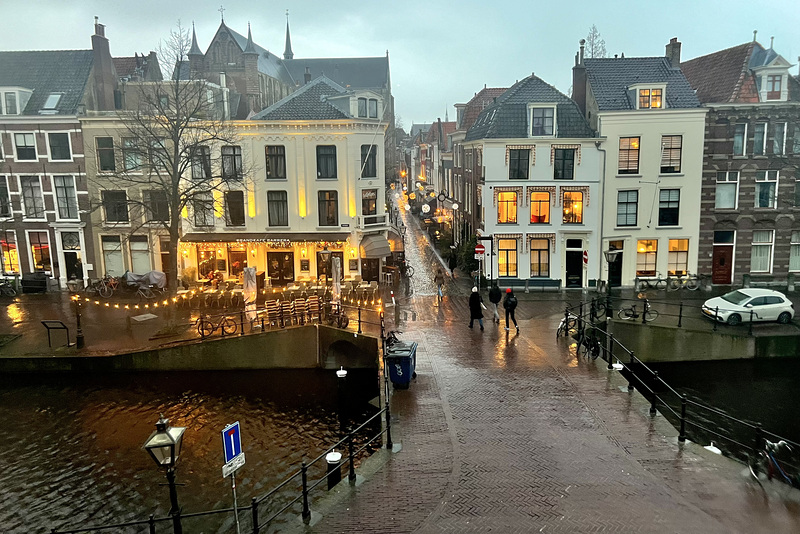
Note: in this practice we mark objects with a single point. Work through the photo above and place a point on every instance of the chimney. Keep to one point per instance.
(104, 77)
(674, 52)
(307, 76)
(579, 80)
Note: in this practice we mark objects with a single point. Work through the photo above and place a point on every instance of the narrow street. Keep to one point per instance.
(510, 432)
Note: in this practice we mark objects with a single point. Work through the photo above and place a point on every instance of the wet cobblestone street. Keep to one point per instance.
(506, 432)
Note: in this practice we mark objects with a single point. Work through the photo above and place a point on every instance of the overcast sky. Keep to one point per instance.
(441, 52)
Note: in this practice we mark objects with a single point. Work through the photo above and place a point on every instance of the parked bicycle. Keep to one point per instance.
(568, 325)
(104, 287)
(631, 313)
(775, 460)
(589, 344)
(335, 315)
(686, 281)
(406, 271)
(658, 282)
(7, 289)
(206, 326)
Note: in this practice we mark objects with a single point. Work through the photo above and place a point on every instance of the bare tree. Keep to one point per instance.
(595, 44)
(172, 131)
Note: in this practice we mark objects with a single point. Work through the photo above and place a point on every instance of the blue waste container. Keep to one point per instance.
(401, 358)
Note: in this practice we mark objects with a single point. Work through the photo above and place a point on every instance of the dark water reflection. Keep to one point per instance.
(71, 451)
(757, 391)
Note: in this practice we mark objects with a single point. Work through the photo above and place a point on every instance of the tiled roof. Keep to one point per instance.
(482, 99)
(436, 132)
(508, 116)
(351, 73)
(268, 63)
(307, 103)
(416, 128)
(46, 72)
(719, 77)
(610, 78)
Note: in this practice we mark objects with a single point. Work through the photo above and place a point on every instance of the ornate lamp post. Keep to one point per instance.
(164, 446)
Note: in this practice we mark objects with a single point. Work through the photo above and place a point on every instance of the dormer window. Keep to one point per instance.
(10, 104)
(774, 86)
(543, 121)
(650, 98)
(368, 107)
(52, 101)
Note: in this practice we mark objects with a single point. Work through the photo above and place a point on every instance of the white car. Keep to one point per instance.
(735, 307)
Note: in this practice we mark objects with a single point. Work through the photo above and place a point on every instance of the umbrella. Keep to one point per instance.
(250, 290)
(337, 279)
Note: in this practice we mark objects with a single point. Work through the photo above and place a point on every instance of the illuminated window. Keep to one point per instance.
(678, 258)
(8, 247)
(540, 258)
(649, 98)
(628, 155)
(40, 251)
(507, 257)
(506, 207)
(646, 254)
(369, 205)
(540, 207)
(573, 207)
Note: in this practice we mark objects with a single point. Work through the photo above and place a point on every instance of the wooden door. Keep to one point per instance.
(722, 264)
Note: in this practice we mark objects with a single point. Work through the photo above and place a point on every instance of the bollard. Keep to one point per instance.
(352, 475)
(151, 524)
(392, 293)
(655, 398)
(580, 320)
(682, 434)
(716, 318)
(334, 461)
(630, 371)
(608, 305)
(680, 315)
(304, 476)
(241, 323)
(254, 509)
(750, 327)
(389, 443)
(611, 353)
(359, 319)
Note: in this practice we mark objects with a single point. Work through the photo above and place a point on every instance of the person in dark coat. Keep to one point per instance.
(475, 308)
(510, 304)
(494, 297)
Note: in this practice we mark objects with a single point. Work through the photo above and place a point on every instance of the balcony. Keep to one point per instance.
(367, 222)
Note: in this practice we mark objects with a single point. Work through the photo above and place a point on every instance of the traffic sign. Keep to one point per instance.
(479, 249)
(586, 257)
(232, 449)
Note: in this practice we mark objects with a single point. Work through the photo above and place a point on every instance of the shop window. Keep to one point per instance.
(646, 256)
(10, 255)
(507, 257)
(40, 251)
(678, 257)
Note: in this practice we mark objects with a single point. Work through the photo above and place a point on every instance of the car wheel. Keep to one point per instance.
(734, 319)
(785, 318)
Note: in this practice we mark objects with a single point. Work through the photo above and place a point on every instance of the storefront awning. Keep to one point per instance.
(227, 237)
(395, 240)
(375, 246)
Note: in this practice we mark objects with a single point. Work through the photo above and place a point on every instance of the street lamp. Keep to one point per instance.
(164, 446)
(326, 257)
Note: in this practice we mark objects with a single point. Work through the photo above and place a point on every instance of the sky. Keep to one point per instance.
(440, 52)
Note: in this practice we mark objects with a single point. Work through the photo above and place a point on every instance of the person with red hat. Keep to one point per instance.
(510, 304)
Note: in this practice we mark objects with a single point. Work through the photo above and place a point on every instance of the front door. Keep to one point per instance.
(722, 264)
(371, 269)
(574, 264)
(281, 268)
(615, 271)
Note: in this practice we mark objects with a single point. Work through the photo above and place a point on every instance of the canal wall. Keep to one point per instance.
(303, 347)
(656, 343)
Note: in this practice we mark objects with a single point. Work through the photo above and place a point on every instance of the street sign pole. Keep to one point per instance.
(234, 459)
(235, 507)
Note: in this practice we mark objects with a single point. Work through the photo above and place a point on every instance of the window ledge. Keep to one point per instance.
(625, 228)
(111, 224)
(279, 227)
(276, 179)
(671, 174)
(669, 227)
(327, 179)
(508, 224)
(629, 175)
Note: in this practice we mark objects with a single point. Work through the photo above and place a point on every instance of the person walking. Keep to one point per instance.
(510, 304)
(439, 281)
(494, 297)
(475, 307)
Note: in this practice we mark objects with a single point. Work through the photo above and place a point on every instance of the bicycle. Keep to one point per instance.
(685, 281)
(145, 292)
(657, 283)
(335, 315)
(206, 327)
(406, 271)
(7, 289)
(567, 326)
(103, 287)
(766, 462)
(647, 315)
(589, 344)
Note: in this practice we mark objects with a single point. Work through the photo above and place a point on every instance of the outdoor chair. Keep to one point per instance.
(312, 307)
(273, 312)
(299, 310)
(286, 313)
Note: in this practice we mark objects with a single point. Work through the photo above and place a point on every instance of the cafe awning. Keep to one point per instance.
(228, 237)
(375, 246)
(395, 240)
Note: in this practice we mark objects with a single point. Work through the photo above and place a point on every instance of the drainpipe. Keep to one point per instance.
(602, 204)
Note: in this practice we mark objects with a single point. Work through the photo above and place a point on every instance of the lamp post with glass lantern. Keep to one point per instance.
(611, 256)
(164, 446)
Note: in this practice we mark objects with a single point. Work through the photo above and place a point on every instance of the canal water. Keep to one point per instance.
(72, 449)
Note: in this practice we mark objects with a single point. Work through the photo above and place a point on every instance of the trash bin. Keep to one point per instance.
(402, 361)
(34, 282)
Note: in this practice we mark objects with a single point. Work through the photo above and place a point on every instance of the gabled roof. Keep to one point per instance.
(351, 73)
(438, 133)
(508, 116)
(610, 79)
(727, 76)
(310, 102)
(416, 128)
(145, 68)
(46, 72)
(483, 98)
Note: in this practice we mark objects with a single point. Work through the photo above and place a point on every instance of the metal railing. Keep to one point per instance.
(258, 504)
(691, 418)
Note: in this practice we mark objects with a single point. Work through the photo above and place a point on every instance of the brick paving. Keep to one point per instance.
(512, 433)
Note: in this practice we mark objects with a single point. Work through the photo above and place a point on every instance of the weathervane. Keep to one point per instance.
(221, 13)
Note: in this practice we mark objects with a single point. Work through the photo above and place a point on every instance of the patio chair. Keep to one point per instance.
(286, 313)
(299, 310)
(312, 308)
(274, 312)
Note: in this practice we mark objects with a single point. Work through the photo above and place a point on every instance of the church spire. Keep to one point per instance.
(287, 53)
(195, 50)
(249, 49)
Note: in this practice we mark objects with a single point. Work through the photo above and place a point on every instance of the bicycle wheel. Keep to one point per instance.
(145, 293)
(409, 271)
(600, 309)
(9, 291)
(650, 315)
(344, 320)
(660, 284)
(104, 290)
(625, 314)
(205, 328)
(674, 284)
(229, 326)
(91, 290)
(561, 330)
(759, 466)
(692, 284)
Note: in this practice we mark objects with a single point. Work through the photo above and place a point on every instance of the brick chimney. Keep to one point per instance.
(105, 79)
(674, 52)
(579, 80)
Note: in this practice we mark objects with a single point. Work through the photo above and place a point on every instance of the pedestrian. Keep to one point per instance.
(510, 304)
(439, 281)
(475, 307)
(494, 297)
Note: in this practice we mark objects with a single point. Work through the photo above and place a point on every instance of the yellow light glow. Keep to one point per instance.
(352, 205)
(301, 205)
(185, 212)
(219, 207)
(251, 204)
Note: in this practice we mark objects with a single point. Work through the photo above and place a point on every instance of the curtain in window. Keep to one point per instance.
(759, 258)
(277, 208)
(725, 197)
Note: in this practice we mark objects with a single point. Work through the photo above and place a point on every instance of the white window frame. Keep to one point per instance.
(531, 108)
(106, 222)
(69, 143)
(55, 197)
(782, 141)
(728, 180)
(22, 198)
(763, 139)
(5, 178)
(744, 139)
(770, 244)
(5, 271)
(794, 251)
(30, 248)
(766, 179)
(35, 146)
(649, 87)
(673, 255)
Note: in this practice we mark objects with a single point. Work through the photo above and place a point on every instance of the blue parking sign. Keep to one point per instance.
(231, 442)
